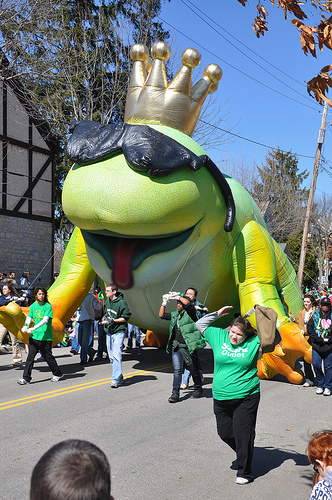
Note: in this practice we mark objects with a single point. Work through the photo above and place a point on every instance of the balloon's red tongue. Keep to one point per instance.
(124, 251)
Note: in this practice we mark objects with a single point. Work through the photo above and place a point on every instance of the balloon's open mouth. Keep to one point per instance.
(123, 254)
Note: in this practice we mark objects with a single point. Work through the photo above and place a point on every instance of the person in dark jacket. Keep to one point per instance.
(201, 310)
(184, 340)
(319, 328)
(115, 322)
(309, 307)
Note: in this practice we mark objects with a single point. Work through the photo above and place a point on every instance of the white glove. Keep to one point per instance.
(174, 295)
(19, 299)
(30, 330)
(24, 329)
(165, 299)
(106, 321)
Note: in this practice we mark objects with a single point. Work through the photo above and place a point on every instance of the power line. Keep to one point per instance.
(327, 171)
(251, 140)
(327, 162)
(235, 68)
(239, 41)
(328, 196)
(241, 51)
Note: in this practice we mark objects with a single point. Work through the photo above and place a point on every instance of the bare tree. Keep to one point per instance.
(208, 132)
(321, 232)
(240, 169)
(73, 57)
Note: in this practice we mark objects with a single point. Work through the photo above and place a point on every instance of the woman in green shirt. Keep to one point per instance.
(41, 336)
(235, 386)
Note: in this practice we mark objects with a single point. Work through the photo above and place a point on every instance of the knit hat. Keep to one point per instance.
(325, 301)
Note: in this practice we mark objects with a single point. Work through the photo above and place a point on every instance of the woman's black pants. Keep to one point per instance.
(45, 347)
(236, 422)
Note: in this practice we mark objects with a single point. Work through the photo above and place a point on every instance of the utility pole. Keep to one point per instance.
(321, 136)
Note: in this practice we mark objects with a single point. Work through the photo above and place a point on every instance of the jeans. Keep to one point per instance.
(75, 346)
(101, 338)
(133, 331)
(236, 423)
(114, 344)
(187, 374)
(177, 360)
(84, 338)
(324, 379)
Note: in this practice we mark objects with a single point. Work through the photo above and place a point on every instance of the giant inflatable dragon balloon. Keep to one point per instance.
(153, 213)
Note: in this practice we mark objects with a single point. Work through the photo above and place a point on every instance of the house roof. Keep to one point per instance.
(8, 75)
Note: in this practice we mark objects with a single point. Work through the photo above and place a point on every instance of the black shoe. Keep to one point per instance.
(83, 362)
(72, 351)
(91, 358)
(174, 397)
(197, 392)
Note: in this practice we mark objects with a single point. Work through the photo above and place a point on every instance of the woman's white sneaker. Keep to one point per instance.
(242, 480)
(22, 381)
(319, 390)
(326, 392)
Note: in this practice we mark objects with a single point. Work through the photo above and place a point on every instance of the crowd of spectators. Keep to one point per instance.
(106, 317)
(315, 322)
(22, 285)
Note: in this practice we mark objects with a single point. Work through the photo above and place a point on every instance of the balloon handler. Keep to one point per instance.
(41, 336)
(235, 386)
(184, 341)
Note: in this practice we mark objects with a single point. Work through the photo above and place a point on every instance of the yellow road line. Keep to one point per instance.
(79, 387)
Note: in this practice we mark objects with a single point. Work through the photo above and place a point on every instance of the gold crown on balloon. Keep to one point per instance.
(150, 99)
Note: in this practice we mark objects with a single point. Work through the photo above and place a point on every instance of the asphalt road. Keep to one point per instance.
(157, 450)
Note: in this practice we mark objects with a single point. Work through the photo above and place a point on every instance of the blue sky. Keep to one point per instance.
(254, 111)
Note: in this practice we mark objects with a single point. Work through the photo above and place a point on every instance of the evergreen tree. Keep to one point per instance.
(279, 188)
(311, 272)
